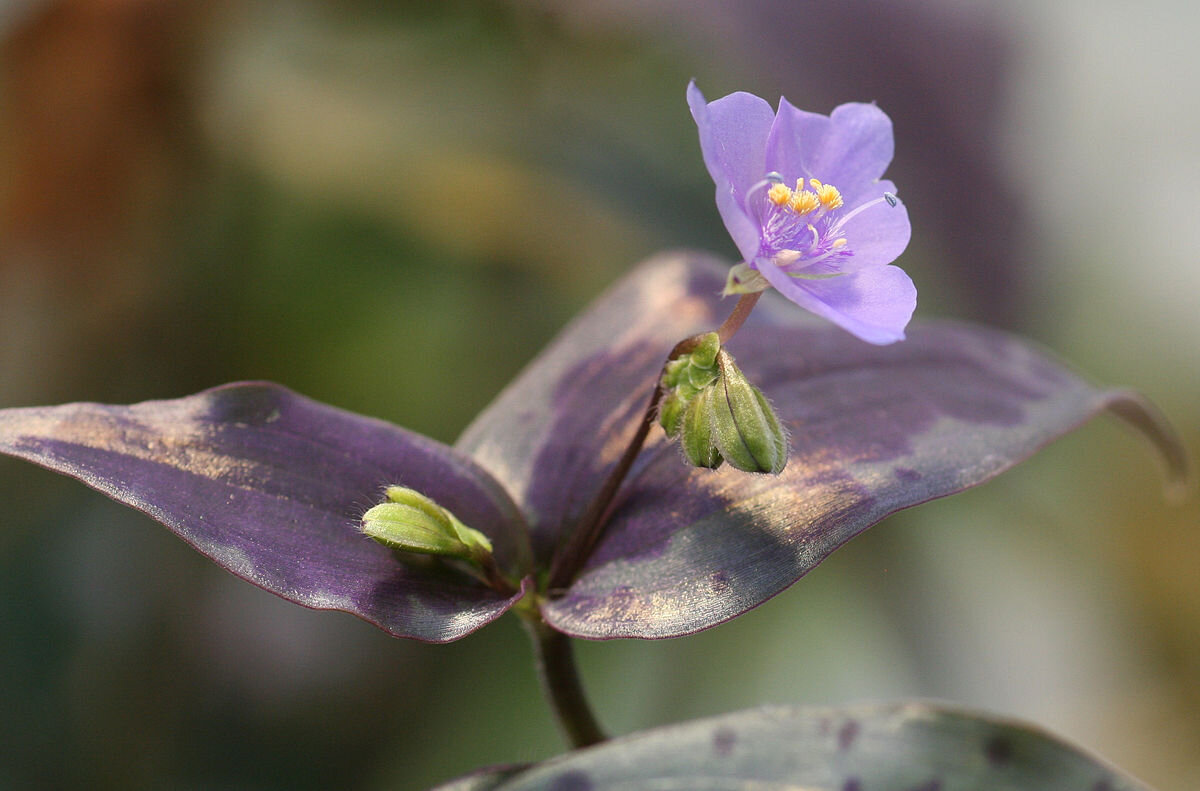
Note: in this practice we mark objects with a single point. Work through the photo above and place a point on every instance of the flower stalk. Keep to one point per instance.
(559, 677)
(735, 320)
(571, 556)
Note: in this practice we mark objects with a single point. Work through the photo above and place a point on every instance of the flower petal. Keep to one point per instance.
(874, 304)
(270, 485)
(879, 234)
(850, 148)
(733, 138)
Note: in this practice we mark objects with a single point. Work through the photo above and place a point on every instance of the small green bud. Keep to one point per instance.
(674, 371)
(684, 377)
(745, 429)
(698, 378)
(669, 413)
(412, 522)
(705, 354)
(696, 434)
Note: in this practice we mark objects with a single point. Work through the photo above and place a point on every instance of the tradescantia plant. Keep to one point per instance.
(667, 464)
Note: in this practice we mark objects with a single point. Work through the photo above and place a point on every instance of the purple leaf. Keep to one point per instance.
(898, 747)
(270, 485)
(552, 434)
(873, 430)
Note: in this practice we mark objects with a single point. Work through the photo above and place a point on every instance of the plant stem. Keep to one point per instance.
(574, 553)
(555, 658)
(569, 560)
(560, 681)
(741, 311)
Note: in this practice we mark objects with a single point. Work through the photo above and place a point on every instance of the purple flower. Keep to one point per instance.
(827, 243)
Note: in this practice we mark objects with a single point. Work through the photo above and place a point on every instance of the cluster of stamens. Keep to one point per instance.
(802, 201)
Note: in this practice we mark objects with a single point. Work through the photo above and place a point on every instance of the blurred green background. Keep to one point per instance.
(391, 207)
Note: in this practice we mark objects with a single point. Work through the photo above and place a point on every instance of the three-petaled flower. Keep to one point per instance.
(827, 243)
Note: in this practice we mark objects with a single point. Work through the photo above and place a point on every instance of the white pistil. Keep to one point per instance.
(887, 198)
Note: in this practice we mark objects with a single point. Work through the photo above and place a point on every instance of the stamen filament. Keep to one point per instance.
(767, 182)
(837, 226)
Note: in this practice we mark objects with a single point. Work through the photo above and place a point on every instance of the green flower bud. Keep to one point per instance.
(696, 434)
(674, 371)
(745, 429)
(705, 354)
(670, 410)
(684, 377)
(412, 522)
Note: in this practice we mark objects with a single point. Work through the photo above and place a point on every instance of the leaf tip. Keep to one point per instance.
(1179, 468)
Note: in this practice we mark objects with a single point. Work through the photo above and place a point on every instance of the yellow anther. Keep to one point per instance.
(815, 184)
(779, 194)
(803, 202)
(830, 197)
(838, 243)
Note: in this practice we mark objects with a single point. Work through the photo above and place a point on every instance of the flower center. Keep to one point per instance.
(801, 201)
(802, 228)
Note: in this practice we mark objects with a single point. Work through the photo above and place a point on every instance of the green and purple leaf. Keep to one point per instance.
(873, 430)
(901, 747)
(270, 485)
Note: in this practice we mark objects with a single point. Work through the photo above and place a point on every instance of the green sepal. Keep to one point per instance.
(669, 413)
(411, 522)
(674, 371)
(412, 529)
(744, 427)
(705, 354)
(744, 279)
(696, 435)
(684, 377)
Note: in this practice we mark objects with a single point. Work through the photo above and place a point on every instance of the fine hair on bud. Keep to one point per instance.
(696, 436)
(744, 426)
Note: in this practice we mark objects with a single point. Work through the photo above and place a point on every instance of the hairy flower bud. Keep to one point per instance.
(717, 415)
(412, 522)
(696, 432)
(745, 429)
(669, 413)
(684, 377)
(705, 354)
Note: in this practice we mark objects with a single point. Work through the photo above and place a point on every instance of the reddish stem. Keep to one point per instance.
(575, 552)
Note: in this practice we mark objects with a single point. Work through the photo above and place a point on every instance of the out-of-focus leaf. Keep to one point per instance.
(903, 747)
(481, 780)
(270, 485)
(873, 430)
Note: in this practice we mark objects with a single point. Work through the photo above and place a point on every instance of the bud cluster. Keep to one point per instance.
(411, 522)
(717, 415)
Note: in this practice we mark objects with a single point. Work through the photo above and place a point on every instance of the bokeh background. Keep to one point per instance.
(391, 206)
